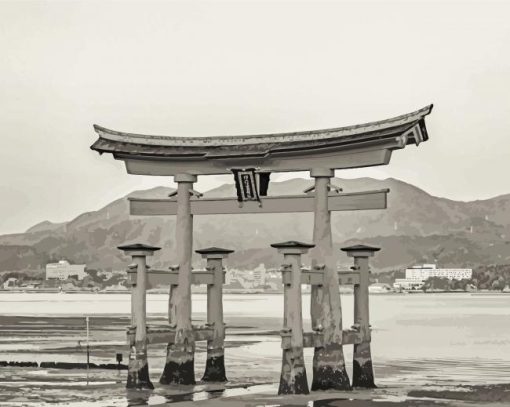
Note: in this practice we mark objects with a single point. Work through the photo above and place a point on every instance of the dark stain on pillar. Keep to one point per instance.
(139, 378)
(293, 378)
(298, 386)
(215, 369)
(331, 375)
(179, 373)
(362, 369)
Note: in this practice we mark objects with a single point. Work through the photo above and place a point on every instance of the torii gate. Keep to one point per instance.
(320, 152)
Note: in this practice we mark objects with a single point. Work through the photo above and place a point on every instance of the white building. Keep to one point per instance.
(259, 275)
(11, 282)
(416, 276)
(407, 284)
(63, 270)
(430, 270)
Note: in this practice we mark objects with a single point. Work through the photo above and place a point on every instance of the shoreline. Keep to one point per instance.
(248, 292)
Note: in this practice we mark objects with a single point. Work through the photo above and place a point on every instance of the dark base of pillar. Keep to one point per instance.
(179, 372)
(138, 376)
(362, 371)
(215, 369)
(298, 386)
(293, 378)
(329, 371)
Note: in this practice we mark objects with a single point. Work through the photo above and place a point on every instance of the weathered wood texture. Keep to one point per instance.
(138, 369)
(365, 156)
(363, 373)
(166, 334)
(180, 361)
(329, 370)
(215, 362)
(157, 278)
(345, 147)
(316, 339)
(293, 378)
(273, 204)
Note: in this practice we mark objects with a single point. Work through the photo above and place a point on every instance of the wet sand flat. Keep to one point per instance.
(437, 349)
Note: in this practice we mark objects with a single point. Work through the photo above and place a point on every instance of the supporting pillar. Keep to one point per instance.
(362, 371)
(138, 369)
(215, 364)
(180, 360)
(133, 267)
(171, 309)
(329, 370)
(293, 378)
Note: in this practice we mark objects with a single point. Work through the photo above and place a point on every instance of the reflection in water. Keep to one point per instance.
(138, 397)
(145, 398)
(441, 340)
(369, 403)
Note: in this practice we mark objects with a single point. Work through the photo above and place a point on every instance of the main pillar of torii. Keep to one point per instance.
(319, 151)
(326, 309)
(180, 360)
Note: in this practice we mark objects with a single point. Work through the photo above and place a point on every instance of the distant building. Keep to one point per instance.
(417, 275)
(259, 275)
(407, 284)
(11, 282)
(430, 270)
(379, 288)
(30, 284)
(63, 270)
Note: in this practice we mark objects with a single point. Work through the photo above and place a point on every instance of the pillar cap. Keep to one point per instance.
(214, 252)
(292, 247)
(214, 249)
(360, 250)
(138, 249)
(292, 244)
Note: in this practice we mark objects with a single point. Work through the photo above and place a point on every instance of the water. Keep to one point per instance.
(418, 340)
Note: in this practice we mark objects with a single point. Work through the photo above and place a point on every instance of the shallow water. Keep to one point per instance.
(418, 340)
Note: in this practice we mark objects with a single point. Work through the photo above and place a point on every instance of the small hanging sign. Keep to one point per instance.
(246, 184)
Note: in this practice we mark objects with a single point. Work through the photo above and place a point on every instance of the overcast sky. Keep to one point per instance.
(214, 68)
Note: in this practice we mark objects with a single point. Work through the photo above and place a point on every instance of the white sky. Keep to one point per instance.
(213, 68)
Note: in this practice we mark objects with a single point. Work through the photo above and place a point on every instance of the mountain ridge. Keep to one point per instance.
(416, 227)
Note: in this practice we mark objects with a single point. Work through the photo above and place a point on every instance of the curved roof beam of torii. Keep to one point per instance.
(343, 147)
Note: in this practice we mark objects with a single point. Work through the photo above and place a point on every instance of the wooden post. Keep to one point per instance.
(362, 371)
(132, 282)
(329, 370)
(180, 360)
(138, 370)
(293, 378)
(215, 364)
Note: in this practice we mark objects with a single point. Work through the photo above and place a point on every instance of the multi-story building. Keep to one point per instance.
(63, 270)
(416, 276)
(430, 270)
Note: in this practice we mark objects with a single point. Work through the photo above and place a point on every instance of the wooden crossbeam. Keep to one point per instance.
(348, 277)
(166, 334)
(352, 201)
(316, 339)
(156, 278)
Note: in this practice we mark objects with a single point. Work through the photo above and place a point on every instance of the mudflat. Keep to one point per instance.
(438, 349)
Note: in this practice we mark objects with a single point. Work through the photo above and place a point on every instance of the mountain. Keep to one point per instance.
(416, 228)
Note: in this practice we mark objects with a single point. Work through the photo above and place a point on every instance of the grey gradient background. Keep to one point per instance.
(218, 68)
